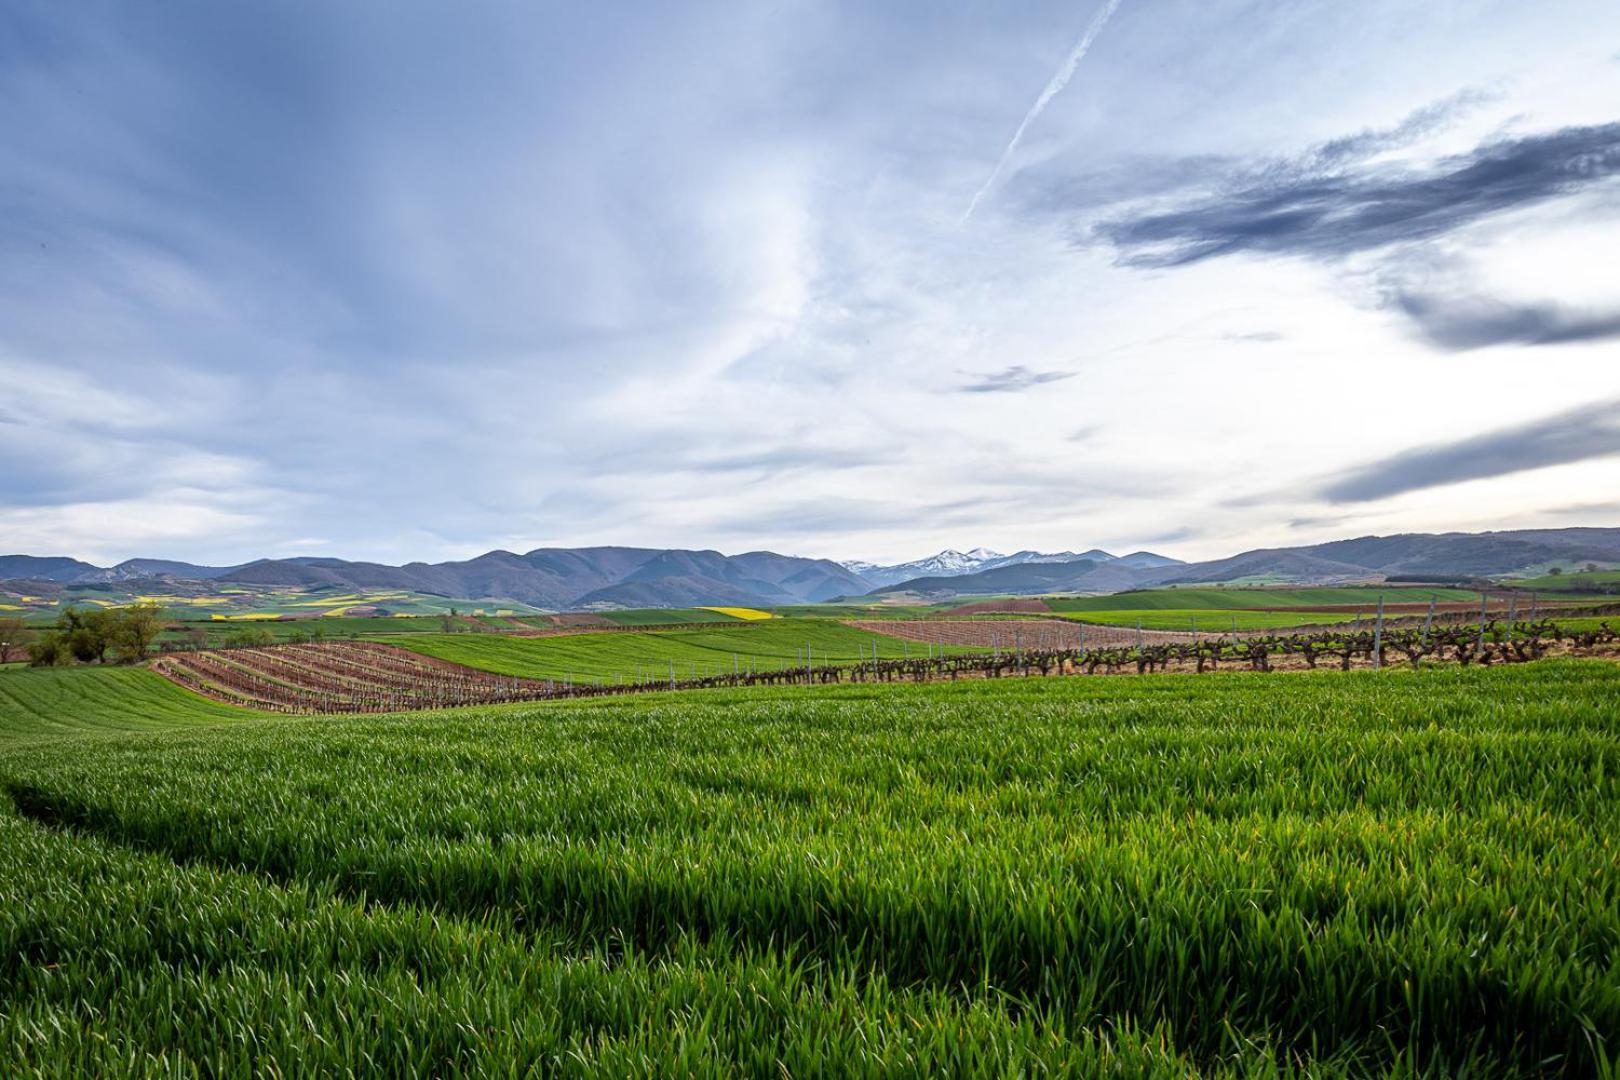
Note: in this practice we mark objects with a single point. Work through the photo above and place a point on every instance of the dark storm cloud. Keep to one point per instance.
(1012, 379)
(1592, 431)
(1305, 211)
(1476, 322)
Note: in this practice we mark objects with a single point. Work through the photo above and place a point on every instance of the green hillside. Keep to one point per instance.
(776, 643)
(54, 701)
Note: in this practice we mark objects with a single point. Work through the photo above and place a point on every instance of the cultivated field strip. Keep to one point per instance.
(348, 676)
(1013, 635)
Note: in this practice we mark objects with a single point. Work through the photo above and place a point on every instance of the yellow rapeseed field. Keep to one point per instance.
(740, 612)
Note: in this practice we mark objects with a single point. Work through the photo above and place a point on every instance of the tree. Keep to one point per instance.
(1555, 571)
(15, 637)
(51, 649)
(87, 632)
(248, 637)
(135, 628)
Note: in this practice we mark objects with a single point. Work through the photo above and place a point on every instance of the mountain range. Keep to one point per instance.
(951, 563)
(623, 577)
(556, 578)
(1427, 556)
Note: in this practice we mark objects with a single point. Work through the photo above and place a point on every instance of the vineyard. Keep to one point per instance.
(343, 677)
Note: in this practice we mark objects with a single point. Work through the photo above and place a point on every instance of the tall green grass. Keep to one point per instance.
(1409, 871)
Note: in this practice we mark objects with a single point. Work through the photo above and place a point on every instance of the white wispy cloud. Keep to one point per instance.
(1053, 88)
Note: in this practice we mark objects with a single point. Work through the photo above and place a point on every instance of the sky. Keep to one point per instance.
(397, 280)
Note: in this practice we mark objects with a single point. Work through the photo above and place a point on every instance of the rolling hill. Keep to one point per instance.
(948, 564)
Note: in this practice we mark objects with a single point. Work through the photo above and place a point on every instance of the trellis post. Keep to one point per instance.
(1378, 635)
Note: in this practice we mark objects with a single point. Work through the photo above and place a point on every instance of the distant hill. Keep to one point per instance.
(555, 578)
(48, 568)
(131, 569)
(1082, 575)
(1409, 556)
(948, 564)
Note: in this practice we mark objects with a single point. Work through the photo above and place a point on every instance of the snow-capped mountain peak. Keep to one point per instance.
(953, 563)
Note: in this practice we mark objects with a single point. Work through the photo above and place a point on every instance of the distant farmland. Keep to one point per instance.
(773, 643)
(1303, 599)
(1207, 620)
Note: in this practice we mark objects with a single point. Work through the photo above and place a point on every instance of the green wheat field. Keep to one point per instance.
(1230, 875)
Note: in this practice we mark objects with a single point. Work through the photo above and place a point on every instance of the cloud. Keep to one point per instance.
(832, 516)
(1586, 509)
(1171, 536)
(1054, 87)
(1417, 125)
(1013, 379)
(650, 273)
(1474, 322)
(1302, 211)
(1592, 431)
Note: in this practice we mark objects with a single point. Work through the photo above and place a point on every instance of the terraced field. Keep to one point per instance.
(1325, 875)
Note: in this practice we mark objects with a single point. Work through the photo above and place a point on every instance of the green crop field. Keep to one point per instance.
(859, 611)
(773, 643)
(666, 616)
(1586, 623)
(1223, 875)
(49, 701)
(214, 632)
(1201, 597)
(1582, 581)
(1207, 620)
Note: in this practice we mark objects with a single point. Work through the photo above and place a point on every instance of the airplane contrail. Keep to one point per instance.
(1053, 89)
